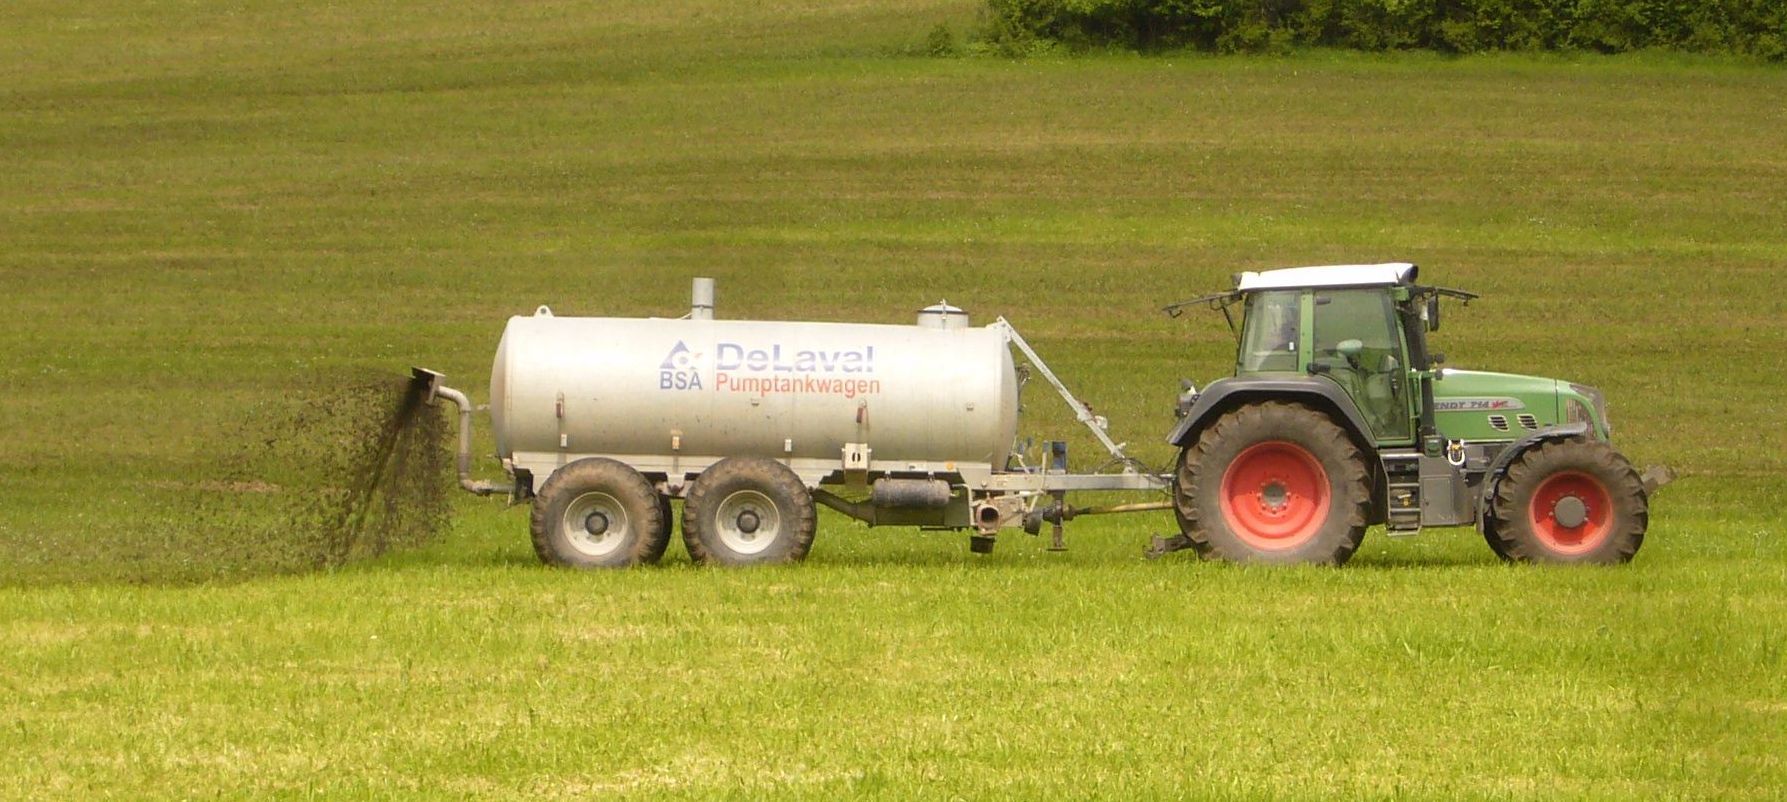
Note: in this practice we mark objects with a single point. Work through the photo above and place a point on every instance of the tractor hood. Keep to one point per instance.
(1462, 383)
(1479, 405)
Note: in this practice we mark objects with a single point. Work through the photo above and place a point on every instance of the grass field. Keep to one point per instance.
(207, 209)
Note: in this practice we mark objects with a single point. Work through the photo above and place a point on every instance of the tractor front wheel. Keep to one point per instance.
(1275, 482)
(1568, 501)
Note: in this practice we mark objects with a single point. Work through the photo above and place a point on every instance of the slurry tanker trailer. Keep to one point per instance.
(1338, 418)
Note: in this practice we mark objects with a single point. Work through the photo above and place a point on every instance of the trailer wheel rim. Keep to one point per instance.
(596, 525)
(747, 522)
(1571, 512)
(1275, 496)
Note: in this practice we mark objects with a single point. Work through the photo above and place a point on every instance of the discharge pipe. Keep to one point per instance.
(464, 462)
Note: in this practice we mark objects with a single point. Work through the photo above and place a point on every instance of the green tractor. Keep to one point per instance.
(1338, 417)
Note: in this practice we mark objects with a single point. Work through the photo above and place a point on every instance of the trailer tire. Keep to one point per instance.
(1273, 482)
(1568, 501)
(669, 517)
(598, 513)
(748, 511)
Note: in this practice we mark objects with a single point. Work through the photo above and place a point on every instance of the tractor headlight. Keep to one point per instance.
(1574, 408)
(1188, 395)
(1574, 411)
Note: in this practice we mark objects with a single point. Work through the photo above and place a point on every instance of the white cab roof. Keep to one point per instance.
(1383, 275)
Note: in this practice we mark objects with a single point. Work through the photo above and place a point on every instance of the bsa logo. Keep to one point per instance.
(680, 369)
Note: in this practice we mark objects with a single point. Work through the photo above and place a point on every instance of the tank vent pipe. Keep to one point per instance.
(701, 304)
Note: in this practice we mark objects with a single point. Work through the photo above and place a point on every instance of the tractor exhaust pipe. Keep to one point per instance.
(428, 384)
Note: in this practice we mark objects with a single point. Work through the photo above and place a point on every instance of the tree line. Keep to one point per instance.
(1755, 28)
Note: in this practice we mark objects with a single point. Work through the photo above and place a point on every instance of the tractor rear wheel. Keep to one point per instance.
(1568, 501)
(1275, 482)
(748, 511)
(598, 513)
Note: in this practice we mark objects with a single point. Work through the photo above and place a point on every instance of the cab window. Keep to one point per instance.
(1270, 333)
(1375, 377)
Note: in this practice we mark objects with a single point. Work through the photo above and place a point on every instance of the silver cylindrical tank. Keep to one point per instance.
(631, 386)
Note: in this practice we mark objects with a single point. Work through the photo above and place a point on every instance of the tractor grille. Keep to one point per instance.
(1528, 421)
(1500, 422)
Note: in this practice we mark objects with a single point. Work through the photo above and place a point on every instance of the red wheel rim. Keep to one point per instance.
(1556, 498)
(1275, 496)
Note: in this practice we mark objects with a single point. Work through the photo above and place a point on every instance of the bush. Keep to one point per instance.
(941, 42)
(1743, 27)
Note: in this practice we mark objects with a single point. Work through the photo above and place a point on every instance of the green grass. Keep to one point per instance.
(207, 206)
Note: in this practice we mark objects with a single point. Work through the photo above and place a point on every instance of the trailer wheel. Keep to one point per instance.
(669, 519)
(1569, 501)
(748, 511)
(598, 513)
(1274, 482)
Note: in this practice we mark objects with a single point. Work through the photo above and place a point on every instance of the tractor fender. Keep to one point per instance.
(1316, 391)
(1499, 468)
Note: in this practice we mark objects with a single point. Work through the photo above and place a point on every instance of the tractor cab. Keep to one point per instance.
(1361, 328)
(1338, 416)
(1347, 328)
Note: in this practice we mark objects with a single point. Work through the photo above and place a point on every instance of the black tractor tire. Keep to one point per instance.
(748, 511)
(1492, 535)
(598, 513)
(1296, 487)
(1568, 501)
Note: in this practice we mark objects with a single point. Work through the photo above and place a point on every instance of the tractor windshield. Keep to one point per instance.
(1270, 332)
